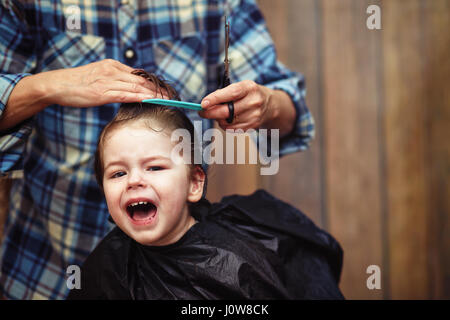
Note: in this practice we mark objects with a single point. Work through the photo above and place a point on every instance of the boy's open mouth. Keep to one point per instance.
(141, 211)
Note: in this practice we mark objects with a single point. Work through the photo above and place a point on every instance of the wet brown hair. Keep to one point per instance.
(166, 118)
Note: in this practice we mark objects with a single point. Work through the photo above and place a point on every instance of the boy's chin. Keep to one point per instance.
(146, 240)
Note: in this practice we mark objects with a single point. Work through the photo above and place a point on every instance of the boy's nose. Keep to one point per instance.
(136, 180)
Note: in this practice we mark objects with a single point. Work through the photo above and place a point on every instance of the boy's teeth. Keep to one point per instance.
(136, 203)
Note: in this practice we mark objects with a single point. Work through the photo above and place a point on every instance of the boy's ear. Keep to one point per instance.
(196, 185)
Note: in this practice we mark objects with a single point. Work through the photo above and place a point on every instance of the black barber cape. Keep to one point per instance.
(245, 247)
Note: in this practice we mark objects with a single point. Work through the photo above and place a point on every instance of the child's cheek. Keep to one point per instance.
(112, 197)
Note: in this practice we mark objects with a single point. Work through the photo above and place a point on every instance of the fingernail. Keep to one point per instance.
(205, 103)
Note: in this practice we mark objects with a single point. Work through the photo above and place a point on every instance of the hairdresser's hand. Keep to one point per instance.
(255, 106)
(95, 84)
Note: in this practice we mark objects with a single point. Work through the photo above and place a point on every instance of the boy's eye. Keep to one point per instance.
(118, 174)
(154, 168)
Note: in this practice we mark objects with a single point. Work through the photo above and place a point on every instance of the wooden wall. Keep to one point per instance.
(377, 175)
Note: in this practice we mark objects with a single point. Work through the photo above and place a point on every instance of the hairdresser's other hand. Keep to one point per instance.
(255, 106)
(95, 84)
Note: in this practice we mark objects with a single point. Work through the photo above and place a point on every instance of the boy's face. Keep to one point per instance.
(145, 190)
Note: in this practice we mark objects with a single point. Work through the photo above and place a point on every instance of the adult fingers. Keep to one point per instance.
(148, 89)
(124, 73)
(119, 65)
(245, 121)
(216, 112)
(126, 86)
(221, 111)
(125, 97)
(131, 78)
(232, 92)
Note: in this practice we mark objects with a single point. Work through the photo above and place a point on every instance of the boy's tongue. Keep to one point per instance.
(141, 214)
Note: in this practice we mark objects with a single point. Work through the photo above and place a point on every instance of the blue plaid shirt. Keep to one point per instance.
(57, 213)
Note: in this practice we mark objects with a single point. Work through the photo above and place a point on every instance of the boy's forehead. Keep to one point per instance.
(128, 136)
(140, 138)
(137, 129)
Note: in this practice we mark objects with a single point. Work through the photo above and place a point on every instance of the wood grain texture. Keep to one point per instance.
(351, 107)
(226, 179)
(436, 83)
(406, 147)
(293, 25)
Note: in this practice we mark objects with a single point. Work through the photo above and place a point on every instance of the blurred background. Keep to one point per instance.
(377, 174)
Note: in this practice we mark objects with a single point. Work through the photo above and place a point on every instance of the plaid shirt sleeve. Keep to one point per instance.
(16, 46)
(252, 56)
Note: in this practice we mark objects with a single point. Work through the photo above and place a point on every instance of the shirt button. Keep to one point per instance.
(129, 54)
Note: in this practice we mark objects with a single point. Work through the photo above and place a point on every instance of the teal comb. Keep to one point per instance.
(175, 103)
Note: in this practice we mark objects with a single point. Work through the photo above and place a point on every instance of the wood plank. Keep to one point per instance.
(406, 146)
(226, 179)
(436, 82)
(351, 109)
(294, 28)
(277, 19)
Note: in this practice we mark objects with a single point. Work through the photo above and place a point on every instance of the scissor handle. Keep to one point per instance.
(226, 83)
(230, 112)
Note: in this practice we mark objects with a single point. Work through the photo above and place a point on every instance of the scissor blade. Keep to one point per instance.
(227, 44)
